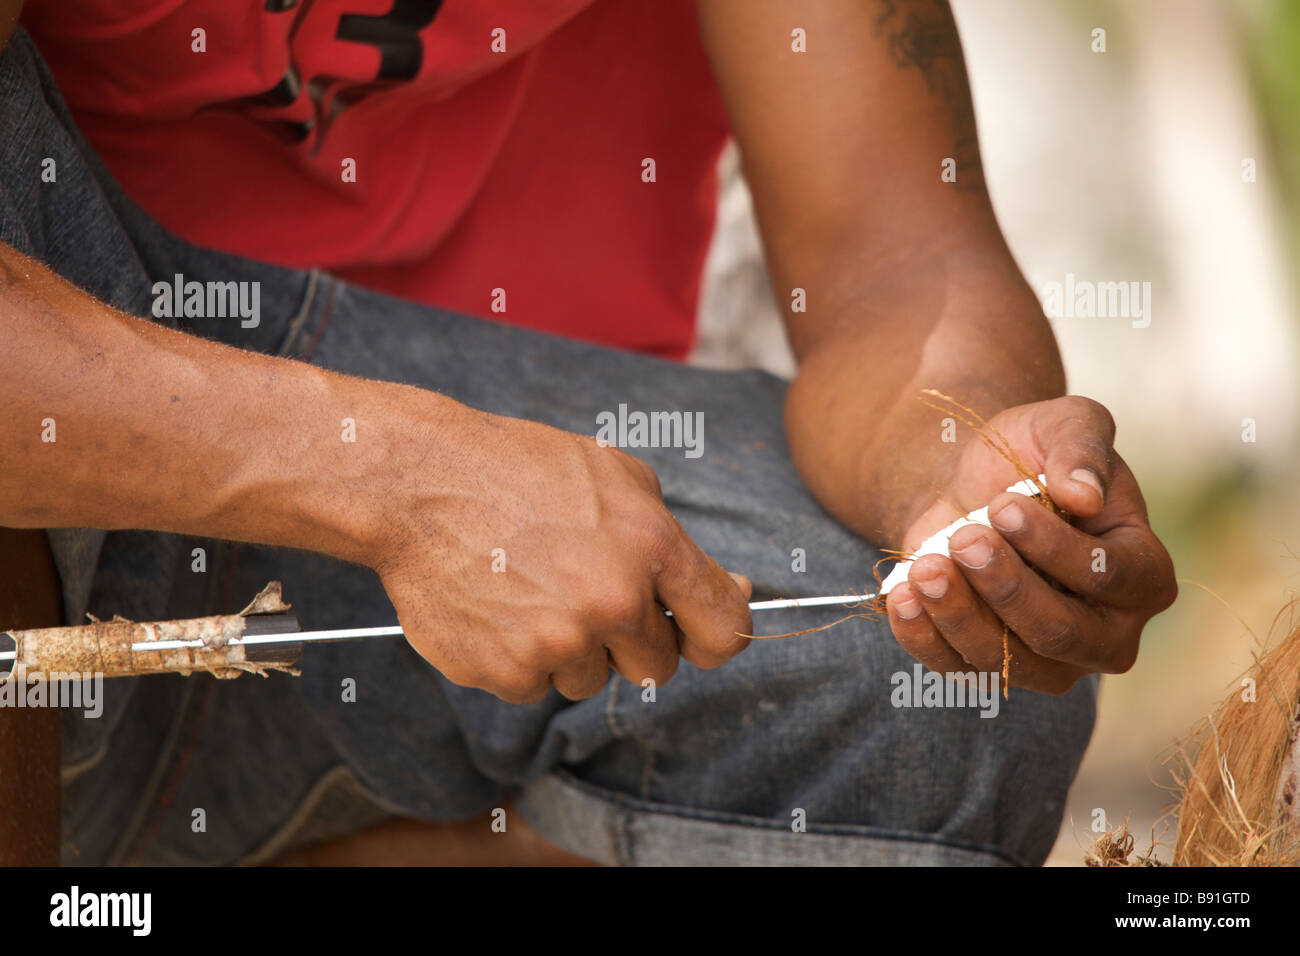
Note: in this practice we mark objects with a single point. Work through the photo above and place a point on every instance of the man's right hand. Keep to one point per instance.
(417, 486)
(529, 557)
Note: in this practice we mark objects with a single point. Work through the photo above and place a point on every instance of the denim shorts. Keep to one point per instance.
(792, 753)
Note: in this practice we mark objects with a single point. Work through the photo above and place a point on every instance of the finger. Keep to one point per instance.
(519, 688)
(746, 586)
(1122, 567)
(916, 634)
(647, 476)
(710, 608)
(1124, 502)
(973, 632)
(652, 650)
(971, 628)
(1079, 452)
(702, 658)
(1052, 624)
(584, 678)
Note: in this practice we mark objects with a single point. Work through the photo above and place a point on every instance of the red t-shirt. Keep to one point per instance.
(496, 145)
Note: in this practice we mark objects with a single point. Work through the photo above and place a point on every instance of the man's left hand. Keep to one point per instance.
(1114, 574)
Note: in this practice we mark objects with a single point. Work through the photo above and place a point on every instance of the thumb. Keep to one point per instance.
(746, 587)
(1079, 461)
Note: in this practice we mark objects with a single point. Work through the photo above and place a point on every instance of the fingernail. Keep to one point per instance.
(975, 555)
(933, 585)
(907, 606)
(1086, 476)
(1009, 518)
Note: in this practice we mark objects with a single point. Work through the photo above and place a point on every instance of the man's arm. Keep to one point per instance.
(910, 285)
(155, 429)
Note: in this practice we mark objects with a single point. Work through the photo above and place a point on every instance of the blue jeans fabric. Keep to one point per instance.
(719, 768)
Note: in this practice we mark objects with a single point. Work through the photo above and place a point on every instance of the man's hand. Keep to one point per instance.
(537, 557)
(252, 449)
(1115, 573)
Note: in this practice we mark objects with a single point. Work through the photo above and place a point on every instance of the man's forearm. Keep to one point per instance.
(869, 192)
(113, 422)
(966, 324)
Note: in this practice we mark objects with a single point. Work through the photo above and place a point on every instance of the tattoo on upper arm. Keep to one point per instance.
(923, 34)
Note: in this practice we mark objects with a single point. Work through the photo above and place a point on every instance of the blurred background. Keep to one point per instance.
(1131, 165)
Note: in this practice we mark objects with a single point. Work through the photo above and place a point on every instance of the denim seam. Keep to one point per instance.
(322, 320)
(284, 831)
(626, 808)
(170, 769)
(624, 853)
(610, 719)
(641, 740)
(301, 316)
(647, 775)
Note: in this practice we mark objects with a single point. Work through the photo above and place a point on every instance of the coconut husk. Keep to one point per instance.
(1238, 773)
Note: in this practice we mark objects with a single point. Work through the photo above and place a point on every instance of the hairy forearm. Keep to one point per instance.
(868, 448)
(115, 422)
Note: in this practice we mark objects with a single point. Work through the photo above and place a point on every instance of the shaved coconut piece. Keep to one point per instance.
(937, 543)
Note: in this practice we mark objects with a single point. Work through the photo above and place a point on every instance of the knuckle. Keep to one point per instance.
(1087, 425)
(706, 660)
(910, 631)
(464, 678)
(918, 637)
(737, 645)
(1106, 577)
(646, 667)
(585, 688)
(713, 657)
(650, 477)
(1167, 593)
(652, 533)
(728, 637)
(739, 622)
(1055, 637)
(1097, 450)
(623, 607)
(1101, 415)
(1124, 656)
(563, 644)
(1055, 549)
(981, 649)
(517, 686)
(1004, 590)
(953, 621)
(664, 672)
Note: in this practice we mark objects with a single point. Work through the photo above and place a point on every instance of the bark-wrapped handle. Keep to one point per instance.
(112, 648)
